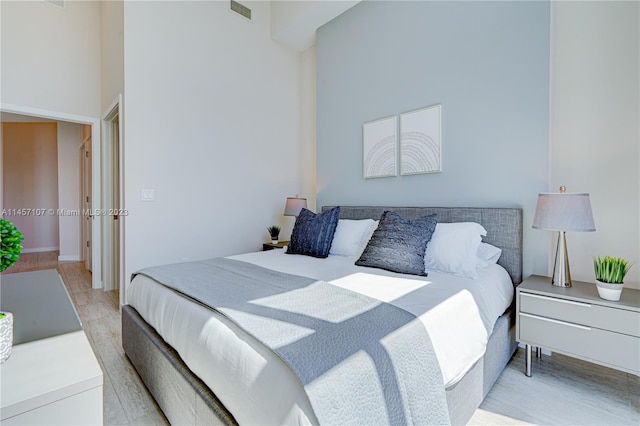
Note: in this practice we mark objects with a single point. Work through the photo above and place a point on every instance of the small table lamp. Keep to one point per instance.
(294, 205)
(563, 212)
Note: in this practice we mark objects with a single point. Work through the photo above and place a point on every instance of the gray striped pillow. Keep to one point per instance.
(399, 244)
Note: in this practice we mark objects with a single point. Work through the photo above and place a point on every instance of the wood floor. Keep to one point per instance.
(562, 390)
(126, 399)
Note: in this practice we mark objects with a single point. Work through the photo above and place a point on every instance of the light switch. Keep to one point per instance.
(147, 195)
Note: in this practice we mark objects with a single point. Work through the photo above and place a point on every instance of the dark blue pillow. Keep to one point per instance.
(313, 233)
(399, 244)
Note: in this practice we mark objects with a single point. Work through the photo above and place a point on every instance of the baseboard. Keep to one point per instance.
(40, 249)
(69, 258)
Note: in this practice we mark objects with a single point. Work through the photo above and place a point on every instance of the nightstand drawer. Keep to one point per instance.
(613, 349)
(588, 314)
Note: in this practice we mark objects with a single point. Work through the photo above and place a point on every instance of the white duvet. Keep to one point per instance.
(258, 388)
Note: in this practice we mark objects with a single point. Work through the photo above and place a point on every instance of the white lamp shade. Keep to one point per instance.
(564, 212)
(293, 206)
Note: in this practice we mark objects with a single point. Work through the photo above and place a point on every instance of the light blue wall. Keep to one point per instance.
(486, 63)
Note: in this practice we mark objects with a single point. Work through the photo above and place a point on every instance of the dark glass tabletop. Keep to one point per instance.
(39, 303)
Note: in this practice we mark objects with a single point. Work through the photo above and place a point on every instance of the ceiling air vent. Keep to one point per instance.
(240, 9)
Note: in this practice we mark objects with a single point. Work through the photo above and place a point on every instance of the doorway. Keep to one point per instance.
(42, 175)
(94, 123)
(113, 219)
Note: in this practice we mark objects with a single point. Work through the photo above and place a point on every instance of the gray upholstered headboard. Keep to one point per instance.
(503, 225)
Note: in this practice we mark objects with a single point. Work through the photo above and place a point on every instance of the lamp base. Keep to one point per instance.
(561, 273)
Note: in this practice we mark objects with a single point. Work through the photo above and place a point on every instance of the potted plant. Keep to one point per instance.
(10, 249)
(610, 272)
(274, 231)
(6, 335)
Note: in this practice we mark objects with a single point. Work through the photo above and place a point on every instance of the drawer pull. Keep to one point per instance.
(582, 327)
(569, 302)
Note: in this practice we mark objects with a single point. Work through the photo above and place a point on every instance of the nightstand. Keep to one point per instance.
(278, 245)
(575, 321)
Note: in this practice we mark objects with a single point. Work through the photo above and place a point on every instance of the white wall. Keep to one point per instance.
(69, 157)
(294, 23)
(30, 179)
(111, 51)
(51, 56)
(211, 124)
(595, 126)
(307, 144)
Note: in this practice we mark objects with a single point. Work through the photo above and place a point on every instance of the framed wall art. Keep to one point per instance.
(421, 141)
(380, 141)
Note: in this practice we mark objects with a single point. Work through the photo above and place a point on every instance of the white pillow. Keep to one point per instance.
(487, 255)
(453, 248)
(352, 236)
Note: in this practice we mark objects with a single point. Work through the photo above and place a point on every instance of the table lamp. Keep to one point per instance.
(294, 205)
(563, 212)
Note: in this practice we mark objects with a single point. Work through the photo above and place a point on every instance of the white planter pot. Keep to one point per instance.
(6, 336)
(274, 241)
(609, 291)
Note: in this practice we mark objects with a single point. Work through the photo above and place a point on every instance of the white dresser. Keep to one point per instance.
(53, 380)
(575, 321)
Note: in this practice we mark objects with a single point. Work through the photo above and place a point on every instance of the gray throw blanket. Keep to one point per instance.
(360, 361)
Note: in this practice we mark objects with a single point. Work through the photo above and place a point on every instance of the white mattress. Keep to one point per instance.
(258, 388)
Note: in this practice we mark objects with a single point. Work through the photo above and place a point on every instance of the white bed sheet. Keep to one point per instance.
(255, 384)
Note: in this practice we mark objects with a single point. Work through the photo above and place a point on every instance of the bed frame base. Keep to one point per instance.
(465, 397)
(182, 396)
(185, 399)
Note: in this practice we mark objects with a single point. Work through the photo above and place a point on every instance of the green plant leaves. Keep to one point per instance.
(274, 230)
(611, 269)
(10, 248)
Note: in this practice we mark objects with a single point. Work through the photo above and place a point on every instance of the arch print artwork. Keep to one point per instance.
(420, 141)
(380, 140)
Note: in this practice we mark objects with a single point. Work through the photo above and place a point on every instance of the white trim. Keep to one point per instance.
(69, 258)
(115, 109)
(42, 113)
(123, 223)
(40, 249)
(95, 163)
(109, 113)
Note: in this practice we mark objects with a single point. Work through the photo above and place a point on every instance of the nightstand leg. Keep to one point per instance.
(538, 352)
(527, 368)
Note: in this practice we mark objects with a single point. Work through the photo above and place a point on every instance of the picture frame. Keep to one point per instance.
(379, 148)
(421, 141)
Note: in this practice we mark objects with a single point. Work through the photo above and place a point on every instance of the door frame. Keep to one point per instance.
(94, 122)
(113, 111)
(85, 204)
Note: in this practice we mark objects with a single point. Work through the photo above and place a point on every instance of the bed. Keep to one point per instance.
(187, 393)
